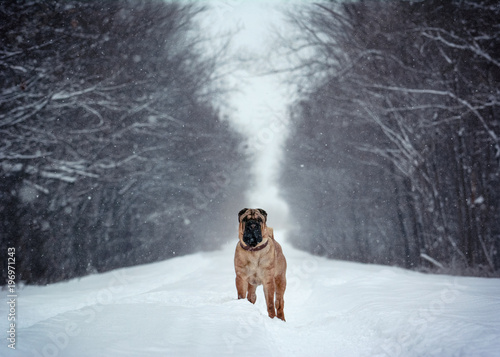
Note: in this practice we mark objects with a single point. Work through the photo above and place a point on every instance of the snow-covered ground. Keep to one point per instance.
(187, 306)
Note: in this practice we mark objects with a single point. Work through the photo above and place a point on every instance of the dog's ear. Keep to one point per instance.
(264, 213)
(241, 212)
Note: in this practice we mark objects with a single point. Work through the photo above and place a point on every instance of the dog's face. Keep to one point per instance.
(252, 225)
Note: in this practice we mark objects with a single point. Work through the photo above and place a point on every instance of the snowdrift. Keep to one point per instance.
(187, 306)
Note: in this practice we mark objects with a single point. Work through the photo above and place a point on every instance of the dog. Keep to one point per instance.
(259, 260)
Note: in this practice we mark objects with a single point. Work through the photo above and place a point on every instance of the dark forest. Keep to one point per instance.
(111, 152)
(394, 156)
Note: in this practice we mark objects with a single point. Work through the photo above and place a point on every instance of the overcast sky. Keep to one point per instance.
(258, 109)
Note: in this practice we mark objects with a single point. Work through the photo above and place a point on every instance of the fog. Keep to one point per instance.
(132, 132)
(259, 105)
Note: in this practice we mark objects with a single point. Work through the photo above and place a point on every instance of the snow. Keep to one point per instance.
(187, 306)
(479, 200)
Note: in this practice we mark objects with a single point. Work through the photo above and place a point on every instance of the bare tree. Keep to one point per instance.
(108, 135)
(410, 97)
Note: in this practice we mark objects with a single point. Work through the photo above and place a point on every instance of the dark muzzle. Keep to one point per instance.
(252, 234)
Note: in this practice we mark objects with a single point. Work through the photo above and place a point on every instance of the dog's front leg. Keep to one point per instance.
(280, 284)
(269, 293)
(241, 287)
(252, 297)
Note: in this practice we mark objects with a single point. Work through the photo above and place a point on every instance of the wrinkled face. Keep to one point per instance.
(252, 225)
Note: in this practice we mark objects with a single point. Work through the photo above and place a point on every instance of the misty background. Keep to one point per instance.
(134, 131)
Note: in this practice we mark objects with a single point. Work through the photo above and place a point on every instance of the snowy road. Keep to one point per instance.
(187, 307)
